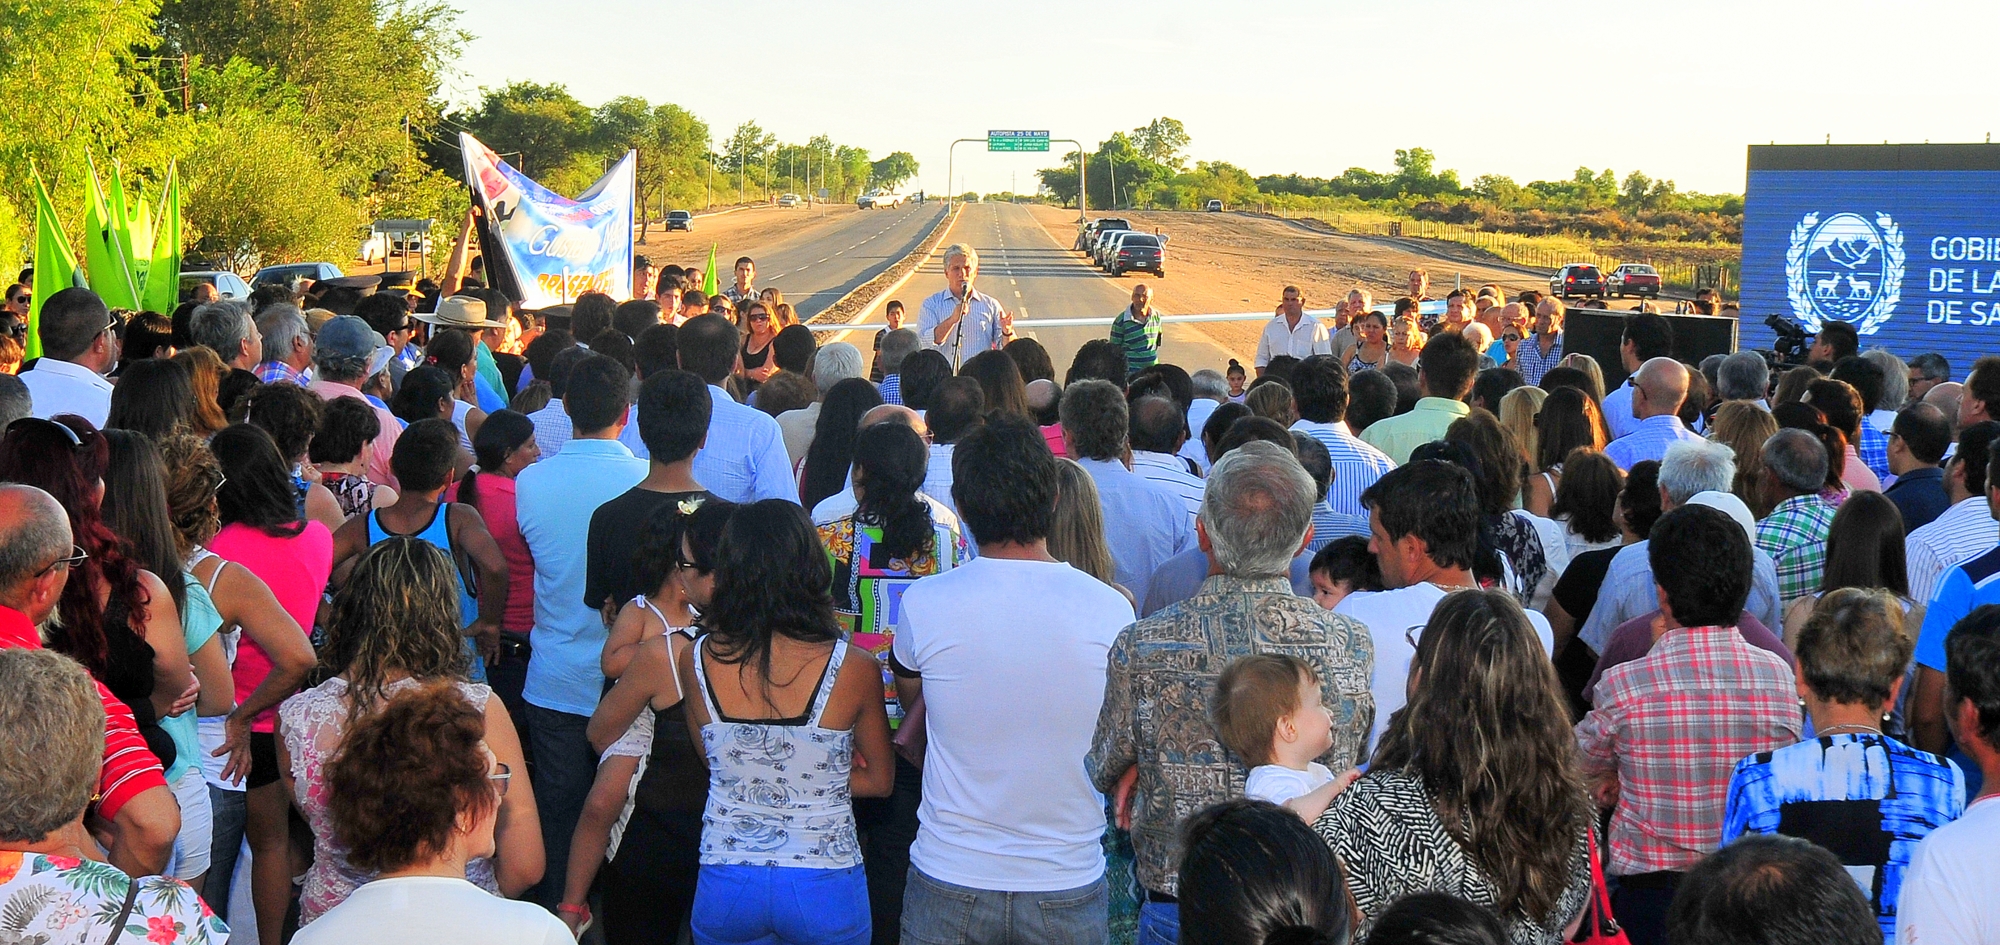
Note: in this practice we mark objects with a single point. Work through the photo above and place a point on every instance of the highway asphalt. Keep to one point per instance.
(1037, 277)
(816, 273)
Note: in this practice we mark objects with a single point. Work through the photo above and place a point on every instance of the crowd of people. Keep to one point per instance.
(379, 610)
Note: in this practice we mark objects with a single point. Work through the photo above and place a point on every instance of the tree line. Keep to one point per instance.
(1146, 168)
(293, 125)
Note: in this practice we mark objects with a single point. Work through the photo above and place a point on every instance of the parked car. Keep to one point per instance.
(680, 220)
(788, 200)
(1135, 250)
(1094, 227)
(1633, 279)
(283, 275)
(228, 284)
(1577, 279)
(876, 199)
(1214, 206)
(1101, 240)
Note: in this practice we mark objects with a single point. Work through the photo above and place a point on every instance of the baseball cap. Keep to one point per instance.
(348, 336)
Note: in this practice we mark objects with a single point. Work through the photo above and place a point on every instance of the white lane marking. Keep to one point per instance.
(805, 267)
(821, 259)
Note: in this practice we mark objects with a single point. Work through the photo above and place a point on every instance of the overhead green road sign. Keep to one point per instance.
(1017, 141)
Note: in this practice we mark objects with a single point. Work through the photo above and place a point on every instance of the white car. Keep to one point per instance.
(788, 200)
(379, 246)
(877, 199)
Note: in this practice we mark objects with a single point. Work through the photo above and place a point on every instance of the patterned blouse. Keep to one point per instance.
(868, 586)
(1386, 830)
(60, 900)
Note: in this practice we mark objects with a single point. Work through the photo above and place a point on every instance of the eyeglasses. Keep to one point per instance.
(17, 299)
(110, 325)
(1410, 635)
(76, 556)
(760, 317)
(75, 440)
(501, 778)
(1510, 338)
(220, 481)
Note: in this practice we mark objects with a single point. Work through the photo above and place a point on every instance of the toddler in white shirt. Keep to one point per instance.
(1269, 710)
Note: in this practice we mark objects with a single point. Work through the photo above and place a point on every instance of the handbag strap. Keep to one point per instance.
(131, 899)
(1599, 925)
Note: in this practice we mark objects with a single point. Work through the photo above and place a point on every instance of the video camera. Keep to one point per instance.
(1791, 344)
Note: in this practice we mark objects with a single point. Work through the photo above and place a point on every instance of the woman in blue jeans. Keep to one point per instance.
(784, 706)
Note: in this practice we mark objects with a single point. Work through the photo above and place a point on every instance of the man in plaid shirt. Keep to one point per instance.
(1669, 728)
(1794, 534)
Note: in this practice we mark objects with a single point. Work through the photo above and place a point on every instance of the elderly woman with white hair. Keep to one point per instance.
(53, 878)
(961, 321)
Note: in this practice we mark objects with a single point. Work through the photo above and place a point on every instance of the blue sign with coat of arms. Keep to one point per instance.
(1908, 255)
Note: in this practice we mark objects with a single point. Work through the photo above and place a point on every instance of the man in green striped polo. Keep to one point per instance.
(1137, 331)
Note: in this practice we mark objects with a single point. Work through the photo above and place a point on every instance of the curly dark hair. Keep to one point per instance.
(1489, 734)
(892, 460)
(404, 774)
(289, 413)
(398, 612)
(772, 579)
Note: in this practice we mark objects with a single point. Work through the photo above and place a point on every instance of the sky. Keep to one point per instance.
(1527, 88)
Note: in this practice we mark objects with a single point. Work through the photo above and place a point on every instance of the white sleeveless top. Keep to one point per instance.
(459, 409)
(778, 790)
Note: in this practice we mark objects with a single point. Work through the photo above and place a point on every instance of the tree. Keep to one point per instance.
(537, 127)
(1161, 141)
(746, 146)
(893, 170)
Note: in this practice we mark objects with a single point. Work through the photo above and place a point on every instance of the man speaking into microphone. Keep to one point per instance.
(962, 321)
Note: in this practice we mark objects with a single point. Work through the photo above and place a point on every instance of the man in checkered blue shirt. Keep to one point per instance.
(1794, 534)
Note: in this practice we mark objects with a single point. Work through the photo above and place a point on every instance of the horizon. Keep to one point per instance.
(865, 95)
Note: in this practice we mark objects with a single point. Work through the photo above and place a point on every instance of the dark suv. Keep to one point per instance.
(1577, 279)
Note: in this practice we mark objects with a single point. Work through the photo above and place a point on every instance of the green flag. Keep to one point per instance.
(163, 272)
(55, 265)
(708, 280)
(107, 254)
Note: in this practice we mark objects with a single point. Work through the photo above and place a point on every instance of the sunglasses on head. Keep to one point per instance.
(75, 441)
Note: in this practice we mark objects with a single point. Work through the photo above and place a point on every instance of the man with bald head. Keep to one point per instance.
(1658, 389)
(841, 504)
(36, 555)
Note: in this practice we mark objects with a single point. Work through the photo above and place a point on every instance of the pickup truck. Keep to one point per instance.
(877, 199)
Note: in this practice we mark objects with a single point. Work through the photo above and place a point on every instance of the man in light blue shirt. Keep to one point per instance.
(961, 321)
(1158, 432)
(744, 459)
(1657, 392)
(1319, 387)
(555, 498)
(1646, 336)
(1145, 522)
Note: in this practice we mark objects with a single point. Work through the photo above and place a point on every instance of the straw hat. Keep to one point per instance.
(461, 311)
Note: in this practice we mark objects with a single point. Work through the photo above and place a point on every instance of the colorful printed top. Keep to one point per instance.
(59, 900)
(1867, 798)
(868, 586)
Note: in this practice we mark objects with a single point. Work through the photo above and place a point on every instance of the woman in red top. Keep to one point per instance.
(263, 531)
(505, 446)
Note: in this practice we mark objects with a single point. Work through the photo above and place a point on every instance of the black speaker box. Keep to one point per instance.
(1595, 332)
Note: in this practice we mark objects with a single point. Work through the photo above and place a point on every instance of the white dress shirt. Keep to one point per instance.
(1301, 341)
(60, 387)
(979, 331)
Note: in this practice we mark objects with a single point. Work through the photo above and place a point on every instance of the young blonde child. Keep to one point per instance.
(667, 611)
(1268, 709)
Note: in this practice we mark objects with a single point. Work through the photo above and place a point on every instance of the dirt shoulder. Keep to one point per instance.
(1233, 262)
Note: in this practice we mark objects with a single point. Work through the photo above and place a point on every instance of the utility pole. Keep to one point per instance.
(767, 177)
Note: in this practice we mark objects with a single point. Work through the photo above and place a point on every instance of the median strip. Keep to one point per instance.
(857, 304)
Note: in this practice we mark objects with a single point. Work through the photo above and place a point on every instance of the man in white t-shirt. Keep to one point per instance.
(1005, 658)
(1951, 894)
(1423, 523)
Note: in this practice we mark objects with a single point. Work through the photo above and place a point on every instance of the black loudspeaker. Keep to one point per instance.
(1596, 333)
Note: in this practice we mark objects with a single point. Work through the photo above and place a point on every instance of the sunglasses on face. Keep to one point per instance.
(17, 300)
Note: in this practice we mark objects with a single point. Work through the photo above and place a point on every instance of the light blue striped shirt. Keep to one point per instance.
(1356, 465)
(1648, 440)
(1618, 411)
(744, 459)
(1329, 525)
(1169, 470)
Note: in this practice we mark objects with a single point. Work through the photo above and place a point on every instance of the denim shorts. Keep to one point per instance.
(738, 905)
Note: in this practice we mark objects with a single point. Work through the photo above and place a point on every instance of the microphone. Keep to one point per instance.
(958, 332)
